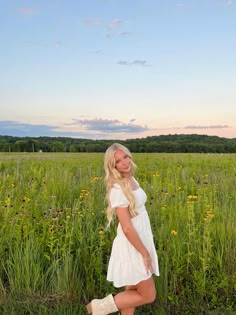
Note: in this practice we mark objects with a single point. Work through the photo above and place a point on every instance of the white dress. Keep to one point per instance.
(126, 266)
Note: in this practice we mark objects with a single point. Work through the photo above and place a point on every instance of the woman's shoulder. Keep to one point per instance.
(117, 197)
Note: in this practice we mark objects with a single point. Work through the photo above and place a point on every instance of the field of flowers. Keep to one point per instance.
(54, 245)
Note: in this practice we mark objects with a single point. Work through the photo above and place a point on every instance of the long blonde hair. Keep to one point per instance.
(115, 177)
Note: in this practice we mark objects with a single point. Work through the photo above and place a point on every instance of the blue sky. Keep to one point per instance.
(117, 69)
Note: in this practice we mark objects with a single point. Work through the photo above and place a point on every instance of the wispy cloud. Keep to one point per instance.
(137, 62)
(57, 42)
(125, 34)
(228, 2)
(25, 11)
(107, 125)
(115, 24)
(113, 28)
(93, 21)
(96, 51)
(207, 127)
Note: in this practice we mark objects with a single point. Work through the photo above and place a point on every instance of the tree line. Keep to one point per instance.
(165, 143)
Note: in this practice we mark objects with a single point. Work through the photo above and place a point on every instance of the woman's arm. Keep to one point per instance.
(124, 217)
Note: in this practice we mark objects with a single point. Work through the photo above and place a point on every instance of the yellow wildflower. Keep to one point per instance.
(192, 197)
(101, 232)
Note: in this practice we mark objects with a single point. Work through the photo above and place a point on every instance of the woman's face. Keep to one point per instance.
(122, 163)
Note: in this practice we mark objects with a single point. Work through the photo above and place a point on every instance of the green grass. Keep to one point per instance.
(54, 247)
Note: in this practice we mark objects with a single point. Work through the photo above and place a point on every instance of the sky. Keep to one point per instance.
(117, 69)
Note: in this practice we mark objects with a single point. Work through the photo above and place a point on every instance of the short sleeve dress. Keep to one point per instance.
(126, 265)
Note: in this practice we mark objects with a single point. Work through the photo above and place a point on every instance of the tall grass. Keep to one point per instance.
(54, 245)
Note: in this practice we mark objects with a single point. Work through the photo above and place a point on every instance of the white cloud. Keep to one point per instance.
(137, 62)
(207, 127)
(108, 125)
(25, 11)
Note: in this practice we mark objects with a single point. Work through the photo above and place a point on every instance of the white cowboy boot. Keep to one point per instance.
(104, 306)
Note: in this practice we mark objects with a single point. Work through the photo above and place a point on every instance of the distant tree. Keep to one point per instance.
(163, 143)
(57, 146)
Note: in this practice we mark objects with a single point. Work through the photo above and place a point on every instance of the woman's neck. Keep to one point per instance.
(128, 176)
(134, 185)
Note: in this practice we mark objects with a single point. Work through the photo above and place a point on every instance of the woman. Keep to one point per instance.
(133, 258)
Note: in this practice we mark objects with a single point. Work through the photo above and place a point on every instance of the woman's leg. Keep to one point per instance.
(129, 310)
(143, 293)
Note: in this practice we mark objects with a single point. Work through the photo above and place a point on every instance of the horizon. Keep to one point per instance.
(118, 70)
(128, 139)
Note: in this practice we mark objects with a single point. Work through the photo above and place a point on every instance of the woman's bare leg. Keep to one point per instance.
(144, 293)
(129, 310)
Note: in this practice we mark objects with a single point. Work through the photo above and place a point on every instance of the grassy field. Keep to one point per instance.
(54, 245)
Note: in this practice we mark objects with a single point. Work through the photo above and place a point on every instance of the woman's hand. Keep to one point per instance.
(147, 263)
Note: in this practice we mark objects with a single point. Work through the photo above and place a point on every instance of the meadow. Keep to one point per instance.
(54, 245)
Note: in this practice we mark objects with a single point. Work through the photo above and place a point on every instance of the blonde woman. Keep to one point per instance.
(133, 259)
